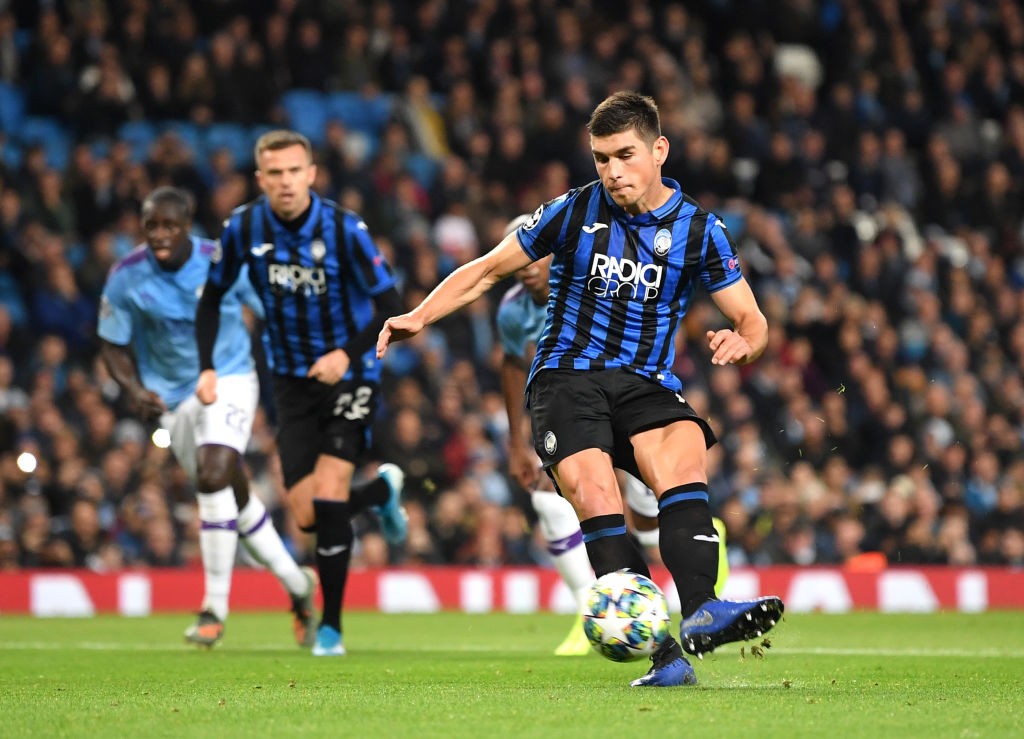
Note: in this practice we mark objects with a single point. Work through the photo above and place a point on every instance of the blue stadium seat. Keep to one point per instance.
(139, 135)
(230, 136)
(253, 135)
(423, 168)
(12, 107)
(50, 134)
(189, 134)
(10, 154)
(360, 113)
(307, 113)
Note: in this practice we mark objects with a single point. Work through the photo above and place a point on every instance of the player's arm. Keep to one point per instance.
(522, 462)
(207, 328)
(224, 270)
(458, 289)
(121, 364)
(747, 338)
(331, 367)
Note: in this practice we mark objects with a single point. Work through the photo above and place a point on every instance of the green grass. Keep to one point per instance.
(456, 675)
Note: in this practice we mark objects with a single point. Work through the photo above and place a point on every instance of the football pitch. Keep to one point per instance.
(459, 675)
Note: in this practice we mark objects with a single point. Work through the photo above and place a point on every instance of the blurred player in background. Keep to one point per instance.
(325, 290)
(627, 250)
(147, 328)
(520, 319)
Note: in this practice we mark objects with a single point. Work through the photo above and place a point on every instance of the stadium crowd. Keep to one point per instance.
(867, 157)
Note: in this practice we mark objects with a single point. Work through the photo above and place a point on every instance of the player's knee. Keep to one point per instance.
(212, 477)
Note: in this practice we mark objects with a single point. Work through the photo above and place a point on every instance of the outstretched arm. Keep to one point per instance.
(121, 363)
(458, 289)
(207, 327)
(523, 464)
(746, 340)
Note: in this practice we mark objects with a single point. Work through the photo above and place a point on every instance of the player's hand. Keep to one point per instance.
(330, 368)
(146, 404)
(206, 388)
(397, 328)
(523, 465)
(728, 347)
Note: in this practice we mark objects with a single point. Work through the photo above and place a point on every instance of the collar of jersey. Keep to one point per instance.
(306, 232)
(652, 217)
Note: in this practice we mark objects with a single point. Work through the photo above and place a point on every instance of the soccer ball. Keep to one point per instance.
(626, 616)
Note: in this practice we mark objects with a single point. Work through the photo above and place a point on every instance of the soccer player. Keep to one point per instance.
(146, 325)
(627, 250)
(325, 290)
(521, 317)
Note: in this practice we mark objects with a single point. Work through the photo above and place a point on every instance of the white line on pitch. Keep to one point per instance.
(724, 652)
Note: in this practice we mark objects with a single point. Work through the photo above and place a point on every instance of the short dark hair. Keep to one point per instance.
(173, 196)
(281, 138)
(623, 111)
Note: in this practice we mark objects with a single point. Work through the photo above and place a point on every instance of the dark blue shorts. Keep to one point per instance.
(573, 410)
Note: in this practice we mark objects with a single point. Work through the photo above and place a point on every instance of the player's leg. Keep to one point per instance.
(598, 502)
(723, 558)
(223, 435)
(218, 524)
(642, 505)
(383, 495)
(317, 490)
(672, 458)
(259, 537)
(561, 530)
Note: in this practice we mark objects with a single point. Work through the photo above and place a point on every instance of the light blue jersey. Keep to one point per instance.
(154, 310)
(520, 322)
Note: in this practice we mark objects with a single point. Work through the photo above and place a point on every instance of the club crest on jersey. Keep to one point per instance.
(318, 249)
(619, 277)
(662, 242)
(550, 442)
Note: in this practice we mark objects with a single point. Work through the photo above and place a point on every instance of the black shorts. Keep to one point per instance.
(573, 410)
(314, 419)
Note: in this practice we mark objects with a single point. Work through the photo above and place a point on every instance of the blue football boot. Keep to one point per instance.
(669, 668)
(328, 642)
(719, 622)
(394, 523)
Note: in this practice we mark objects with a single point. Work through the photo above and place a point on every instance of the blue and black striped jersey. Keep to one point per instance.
(316, 283)
(621, 284)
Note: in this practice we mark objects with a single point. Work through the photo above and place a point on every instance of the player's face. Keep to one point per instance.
(629, 168)
(534, 277)
(285, 176)
(166, 229)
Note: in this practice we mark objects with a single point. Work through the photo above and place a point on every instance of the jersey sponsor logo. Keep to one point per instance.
(614, 277)
(662, 242)
(294, 278)
(259, 251)
(594, 227)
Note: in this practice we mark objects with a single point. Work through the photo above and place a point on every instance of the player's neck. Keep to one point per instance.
(656, 196)
(298, 220)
